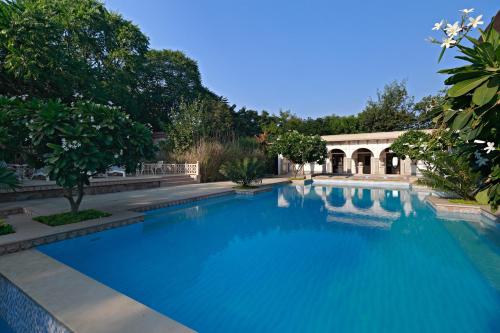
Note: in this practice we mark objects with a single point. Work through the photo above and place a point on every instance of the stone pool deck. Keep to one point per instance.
(125, 208)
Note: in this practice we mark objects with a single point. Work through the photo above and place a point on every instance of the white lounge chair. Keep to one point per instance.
(40, 173)
(116, 169)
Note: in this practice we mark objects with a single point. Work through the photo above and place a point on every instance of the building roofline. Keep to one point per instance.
(366, 136)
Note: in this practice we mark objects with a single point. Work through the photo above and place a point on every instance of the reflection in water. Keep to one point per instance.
(321, 257)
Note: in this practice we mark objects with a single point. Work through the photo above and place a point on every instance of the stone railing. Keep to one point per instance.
(186, 168)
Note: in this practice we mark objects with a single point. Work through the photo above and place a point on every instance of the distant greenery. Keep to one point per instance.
(244, 172)
(68, 218)
(5, 228)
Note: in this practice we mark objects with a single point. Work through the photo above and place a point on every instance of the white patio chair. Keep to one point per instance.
(40, 173)
(116, 169)
(158, 166)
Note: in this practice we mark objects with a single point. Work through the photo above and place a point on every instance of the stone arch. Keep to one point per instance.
(363, 161)
(338, 160)
(389, 163)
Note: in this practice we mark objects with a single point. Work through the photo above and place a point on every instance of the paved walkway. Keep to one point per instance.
(119, 204)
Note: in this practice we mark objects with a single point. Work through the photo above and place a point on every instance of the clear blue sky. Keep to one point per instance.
(311, 57)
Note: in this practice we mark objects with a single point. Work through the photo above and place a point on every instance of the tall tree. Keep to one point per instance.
(167, 77)
(391, 111)
(68, 49)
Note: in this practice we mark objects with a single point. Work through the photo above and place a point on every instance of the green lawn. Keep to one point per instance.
(68, 218)
(463, 201)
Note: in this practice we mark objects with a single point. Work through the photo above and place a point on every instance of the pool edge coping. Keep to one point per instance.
(442, 205)
(51, 284)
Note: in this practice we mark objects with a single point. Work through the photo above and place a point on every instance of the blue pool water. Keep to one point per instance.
(303, 259)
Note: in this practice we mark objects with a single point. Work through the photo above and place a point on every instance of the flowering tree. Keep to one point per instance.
(472, 102)
(74, 143)
(414, 144)
(300, 149)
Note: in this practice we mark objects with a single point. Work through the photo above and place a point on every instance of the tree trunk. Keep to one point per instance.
(74, 204)
(297, 170)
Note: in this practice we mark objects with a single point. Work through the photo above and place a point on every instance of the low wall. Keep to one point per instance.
(53, 191)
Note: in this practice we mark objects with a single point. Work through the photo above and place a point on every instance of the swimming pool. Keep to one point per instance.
(302, 259)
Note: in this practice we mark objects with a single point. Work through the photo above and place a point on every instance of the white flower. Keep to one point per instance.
(467, 11)
(490, 146)
(474, 22)
(116, 155)
(448, 42)
(479, 141)
(452, 30)
(438, 25)
(110, 103)
(91, 119)
(481, 161)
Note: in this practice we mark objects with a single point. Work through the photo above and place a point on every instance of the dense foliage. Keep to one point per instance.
(8, 179)
(472, 105)
(413, 144)
(74, 142)
(244, 171)
(451, 173)
(300, 149)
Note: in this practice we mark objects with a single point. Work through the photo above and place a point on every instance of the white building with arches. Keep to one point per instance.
(363, 153)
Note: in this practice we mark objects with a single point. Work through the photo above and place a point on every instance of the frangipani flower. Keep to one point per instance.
(467, 11)
(490, 146)
(452, 30)
(474, 22)
(438, 25)
(481, 161)
(448, 42)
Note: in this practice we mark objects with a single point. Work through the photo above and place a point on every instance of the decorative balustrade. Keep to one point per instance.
(191, 169)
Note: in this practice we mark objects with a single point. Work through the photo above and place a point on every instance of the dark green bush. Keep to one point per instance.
(68, 218)
(243, 171)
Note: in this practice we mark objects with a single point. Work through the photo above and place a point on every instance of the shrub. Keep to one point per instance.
(211, 154)
(451, 173)
(68, 218)
(243, 172)
(5, 228)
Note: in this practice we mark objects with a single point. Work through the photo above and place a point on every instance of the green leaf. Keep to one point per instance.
(485, 92)
(462, 119)
(441, 54)
(464, 87)
(449, 114)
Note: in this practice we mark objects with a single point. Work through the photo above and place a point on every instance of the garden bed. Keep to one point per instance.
(68, 218)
